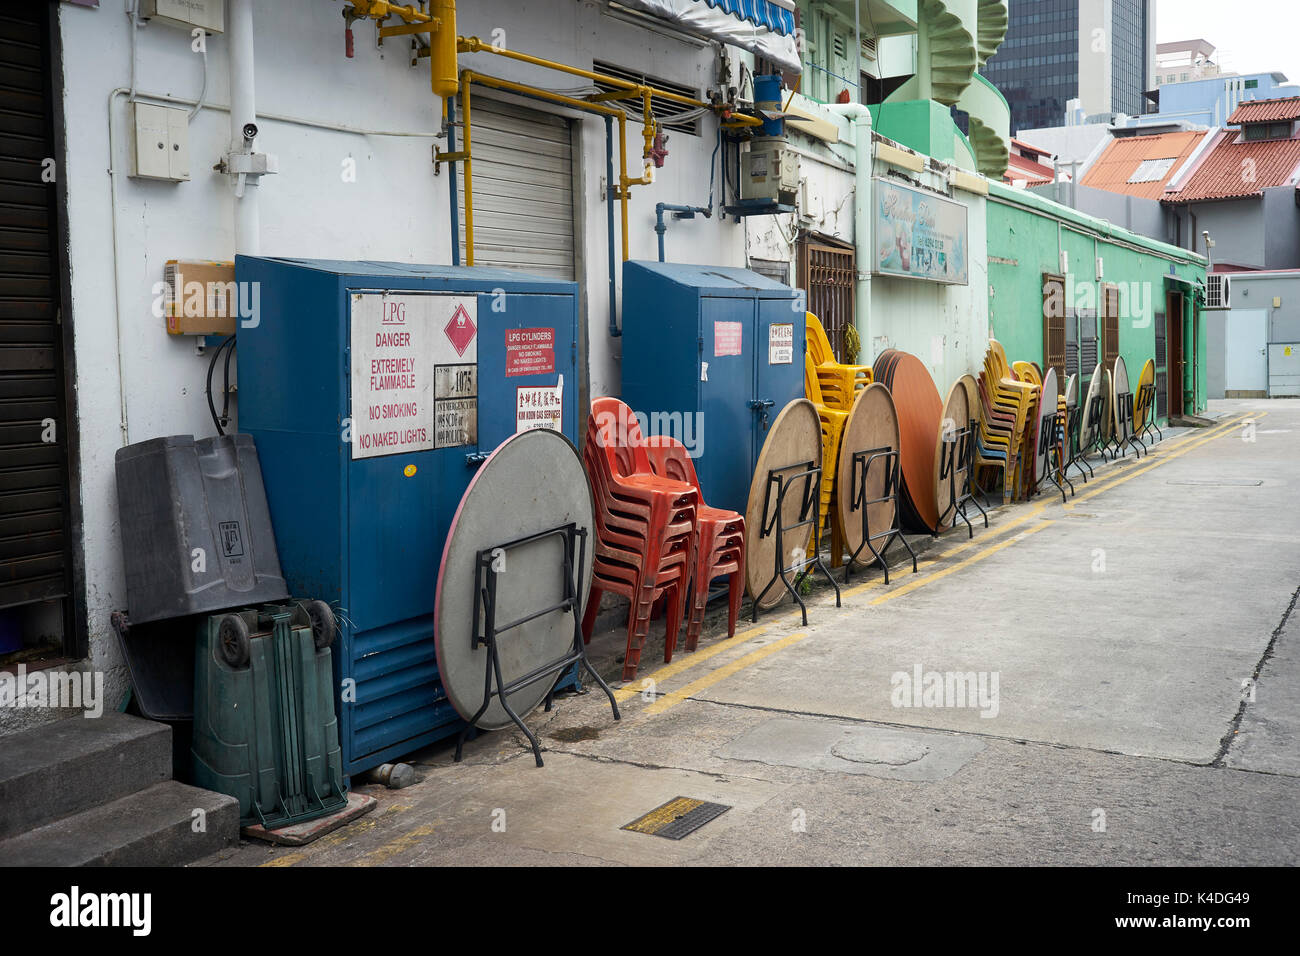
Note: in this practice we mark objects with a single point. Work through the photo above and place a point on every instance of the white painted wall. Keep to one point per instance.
(946, 326)
(396, 209)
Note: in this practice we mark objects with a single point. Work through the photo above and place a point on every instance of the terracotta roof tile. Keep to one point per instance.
(1121, 159)
(1033, 173)
(1233, 170)
(1266, 111)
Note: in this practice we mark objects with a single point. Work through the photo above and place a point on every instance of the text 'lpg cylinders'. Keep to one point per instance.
(711, 354)
(373, 391)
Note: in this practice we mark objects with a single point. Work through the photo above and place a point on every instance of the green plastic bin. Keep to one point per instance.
(265, 731)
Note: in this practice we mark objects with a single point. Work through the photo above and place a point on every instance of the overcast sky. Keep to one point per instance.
(1252, 36)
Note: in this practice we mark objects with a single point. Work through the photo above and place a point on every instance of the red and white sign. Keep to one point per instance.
(727, 338)
(530, 351)
(780, 343)
(414, 386)
(539, 407)
(460, 329)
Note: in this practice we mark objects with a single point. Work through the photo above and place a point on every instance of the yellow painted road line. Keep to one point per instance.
(395, 846)
(722, 673)
(995, 530)
(685, 662)
(898, 572)
(1218, 431)
(911, 586)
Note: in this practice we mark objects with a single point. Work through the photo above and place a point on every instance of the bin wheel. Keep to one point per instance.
(323, 627)
(232, 637)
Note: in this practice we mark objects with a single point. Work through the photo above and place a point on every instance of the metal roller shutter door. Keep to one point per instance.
(523, 189)
(34, 543)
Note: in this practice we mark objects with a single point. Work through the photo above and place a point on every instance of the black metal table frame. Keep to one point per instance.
(1124, 415)
(961, 446)
(1147, 399)
(485, 597)
(811, 476)
(1050, 436)
(858, 501)
(1075, 452)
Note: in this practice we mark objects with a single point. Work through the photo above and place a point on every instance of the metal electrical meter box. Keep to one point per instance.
(711, 354)
(771, 171)
(208, 14)
(373, 391)
(160, 142)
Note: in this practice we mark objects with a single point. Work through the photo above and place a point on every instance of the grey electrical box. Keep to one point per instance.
(208, 14)
(160, 142)
(196, 530)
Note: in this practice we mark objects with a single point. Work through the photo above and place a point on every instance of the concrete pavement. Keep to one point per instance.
(1108, 681)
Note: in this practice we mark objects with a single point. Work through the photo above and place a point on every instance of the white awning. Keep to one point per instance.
(763, 27)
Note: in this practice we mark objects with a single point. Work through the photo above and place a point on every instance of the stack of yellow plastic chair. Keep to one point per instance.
(1024, 482)
(832, 420)
(1005, 406)
(839, 382)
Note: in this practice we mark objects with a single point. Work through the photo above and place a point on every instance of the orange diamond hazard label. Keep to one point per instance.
(460, 330)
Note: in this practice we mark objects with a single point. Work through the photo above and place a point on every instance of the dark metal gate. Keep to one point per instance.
(828, 274)
(35, 510)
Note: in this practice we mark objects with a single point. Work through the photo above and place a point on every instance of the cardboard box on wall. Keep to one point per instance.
(201, 297)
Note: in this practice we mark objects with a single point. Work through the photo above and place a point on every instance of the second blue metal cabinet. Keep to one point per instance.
(371, 398)
(711, 354)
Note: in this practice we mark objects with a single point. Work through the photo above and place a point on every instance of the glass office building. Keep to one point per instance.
(1037, 67)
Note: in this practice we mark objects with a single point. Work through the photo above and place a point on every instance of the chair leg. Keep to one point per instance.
(735, 594)
(674, 595)
(636, 633)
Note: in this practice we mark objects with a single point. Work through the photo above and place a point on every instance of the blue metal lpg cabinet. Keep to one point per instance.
(716, 352)
(373, 390)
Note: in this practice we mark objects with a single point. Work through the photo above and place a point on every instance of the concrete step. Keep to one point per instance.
(152, 827)
(65, 767)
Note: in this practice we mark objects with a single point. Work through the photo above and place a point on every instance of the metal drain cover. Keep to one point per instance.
(677, 818)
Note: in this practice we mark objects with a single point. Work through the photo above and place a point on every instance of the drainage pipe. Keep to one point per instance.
(243, 115)
(614, 330)
(859, 118)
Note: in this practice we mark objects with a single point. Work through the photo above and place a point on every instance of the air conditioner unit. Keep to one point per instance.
(1217, 292)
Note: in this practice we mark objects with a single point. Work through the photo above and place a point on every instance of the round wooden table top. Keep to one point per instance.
(1072, 390)
(1118, 386)
(1047, 408)
(955, 417)
(1147, 377)
(872, 423)
(1094, 389)
(920, 409)
(795, 437)
(972, 386)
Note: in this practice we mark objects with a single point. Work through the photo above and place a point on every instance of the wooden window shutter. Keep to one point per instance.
(1110, 326)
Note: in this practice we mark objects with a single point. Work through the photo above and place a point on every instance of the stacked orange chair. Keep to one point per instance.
(832, 421)
(645, 525)
(718, 547)
(839, 382)
(1005, 406)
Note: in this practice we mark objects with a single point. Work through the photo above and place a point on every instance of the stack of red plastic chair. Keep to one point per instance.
(719, 545)
(644, 529)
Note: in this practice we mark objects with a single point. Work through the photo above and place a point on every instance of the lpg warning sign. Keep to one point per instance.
(414, 373)
(530, 351)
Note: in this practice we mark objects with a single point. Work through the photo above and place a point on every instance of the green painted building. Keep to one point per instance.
(1119, 293)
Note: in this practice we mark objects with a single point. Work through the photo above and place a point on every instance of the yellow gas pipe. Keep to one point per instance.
(446, 81)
